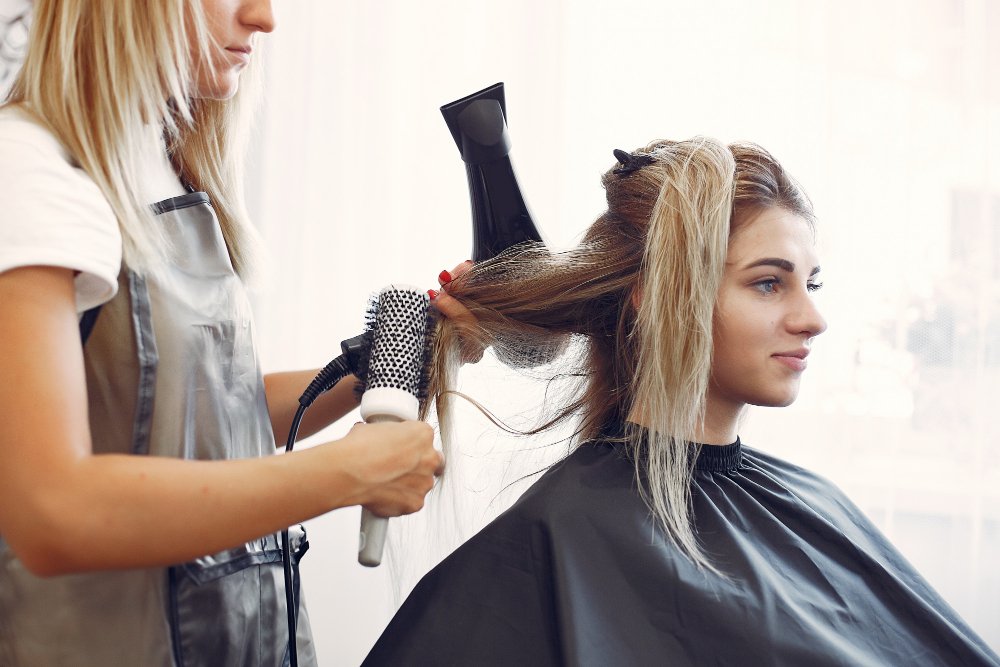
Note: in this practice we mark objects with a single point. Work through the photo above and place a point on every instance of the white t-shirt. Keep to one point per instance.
(53, 214)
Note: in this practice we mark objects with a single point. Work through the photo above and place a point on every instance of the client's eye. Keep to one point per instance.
(812, 287)
(767, 285)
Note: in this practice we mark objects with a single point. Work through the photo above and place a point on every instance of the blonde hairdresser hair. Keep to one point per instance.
(662, 244)
(107, 77)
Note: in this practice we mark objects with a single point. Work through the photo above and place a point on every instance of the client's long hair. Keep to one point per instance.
(640, 292)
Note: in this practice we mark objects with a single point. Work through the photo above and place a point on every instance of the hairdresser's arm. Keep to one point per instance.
(64, 509)
(283, 391)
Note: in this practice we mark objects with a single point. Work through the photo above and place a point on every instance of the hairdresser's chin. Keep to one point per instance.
(221, 81)
(217, 74)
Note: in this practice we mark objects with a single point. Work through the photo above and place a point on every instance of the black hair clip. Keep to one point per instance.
(631, 162)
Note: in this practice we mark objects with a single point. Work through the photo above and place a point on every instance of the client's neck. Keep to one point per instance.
(719, 427)
(721, 423)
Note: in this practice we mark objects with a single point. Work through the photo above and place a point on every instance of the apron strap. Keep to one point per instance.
(87, 323)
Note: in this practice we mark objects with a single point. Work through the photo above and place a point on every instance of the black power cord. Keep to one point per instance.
(352, 361)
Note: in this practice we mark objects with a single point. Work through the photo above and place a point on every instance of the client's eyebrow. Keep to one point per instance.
(782, 264)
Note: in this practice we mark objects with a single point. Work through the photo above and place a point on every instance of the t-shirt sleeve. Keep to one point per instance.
(53, 214)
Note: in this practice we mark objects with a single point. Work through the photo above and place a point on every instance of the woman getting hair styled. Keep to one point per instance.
(134, 463)
(662, 539)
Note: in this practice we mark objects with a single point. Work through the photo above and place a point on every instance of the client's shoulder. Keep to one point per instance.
(778, 468)
(595, 474)
(791, 481)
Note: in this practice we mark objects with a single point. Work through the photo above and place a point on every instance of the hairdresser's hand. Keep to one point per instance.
(455, 311)
(393, 465)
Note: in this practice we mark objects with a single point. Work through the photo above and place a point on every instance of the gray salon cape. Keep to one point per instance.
(576, 573)
(171, 371)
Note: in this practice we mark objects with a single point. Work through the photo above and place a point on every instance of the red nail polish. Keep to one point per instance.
(444, 277)
(432, 294)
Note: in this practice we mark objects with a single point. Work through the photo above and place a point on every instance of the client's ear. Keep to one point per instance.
(636, 297)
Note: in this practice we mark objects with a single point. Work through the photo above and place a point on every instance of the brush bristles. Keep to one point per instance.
(399, 332)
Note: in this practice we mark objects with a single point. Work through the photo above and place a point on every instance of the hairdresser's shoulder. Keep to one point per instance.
(52, 212)
(22, 133)
(38, 171)
(32, 158)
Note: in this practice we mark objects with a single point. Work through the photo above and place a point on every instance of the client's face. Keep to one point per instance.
(765, 317)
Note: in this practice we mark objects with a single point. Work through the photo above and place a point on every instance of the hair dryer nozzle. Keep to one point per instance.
(500, 218)
(478, 122)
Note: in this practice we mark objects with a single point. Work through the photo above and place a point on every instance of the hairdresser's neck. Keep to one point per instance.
(157, 180)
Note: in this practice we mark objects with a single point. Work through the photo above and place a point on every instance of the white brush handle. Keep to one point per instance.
(383, 404)
(371, 540)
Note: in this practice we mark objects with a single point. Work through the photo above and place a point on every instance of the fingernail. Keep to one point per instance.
(432, 294)
(444, 277)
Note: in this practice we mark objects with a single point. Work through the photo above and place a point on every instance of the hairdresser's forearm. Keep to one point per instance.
(148, 511)
(64, 509)
(283, 391)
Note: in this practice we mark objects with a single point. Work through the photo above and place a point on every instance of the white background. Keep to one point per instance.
(887, 111)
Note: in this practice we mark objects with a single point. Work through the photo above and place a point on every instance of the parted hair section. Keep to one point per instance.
(638, 293)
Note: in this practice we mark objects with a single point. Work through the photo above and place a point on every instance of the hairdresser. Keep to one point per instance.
(138, 439)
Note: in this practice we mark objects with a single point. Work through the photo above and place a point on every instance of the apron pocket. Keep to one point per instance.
(229, 609)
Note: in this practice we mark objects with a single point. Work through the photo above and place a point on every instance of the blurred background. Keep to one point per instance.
(888, 112)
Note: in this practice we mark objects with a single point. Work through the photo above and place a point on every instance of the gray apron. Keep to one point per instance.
(171, 371)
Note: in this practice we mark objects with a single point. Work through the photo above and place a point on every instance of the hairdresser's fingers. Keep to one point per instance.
(446, 277)
(412, 454)
(383, 452)
(395, 465)
(455, 310)
(471, 350)
(405, 495)
(438, 464)
(448, 305)
(472, 353)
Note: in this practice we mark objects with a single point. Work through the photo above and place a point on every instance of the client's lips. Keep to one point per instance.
(794, 359)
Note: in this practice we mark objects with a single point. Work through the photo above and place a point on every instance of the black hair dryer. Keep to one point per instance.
(500, 218)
